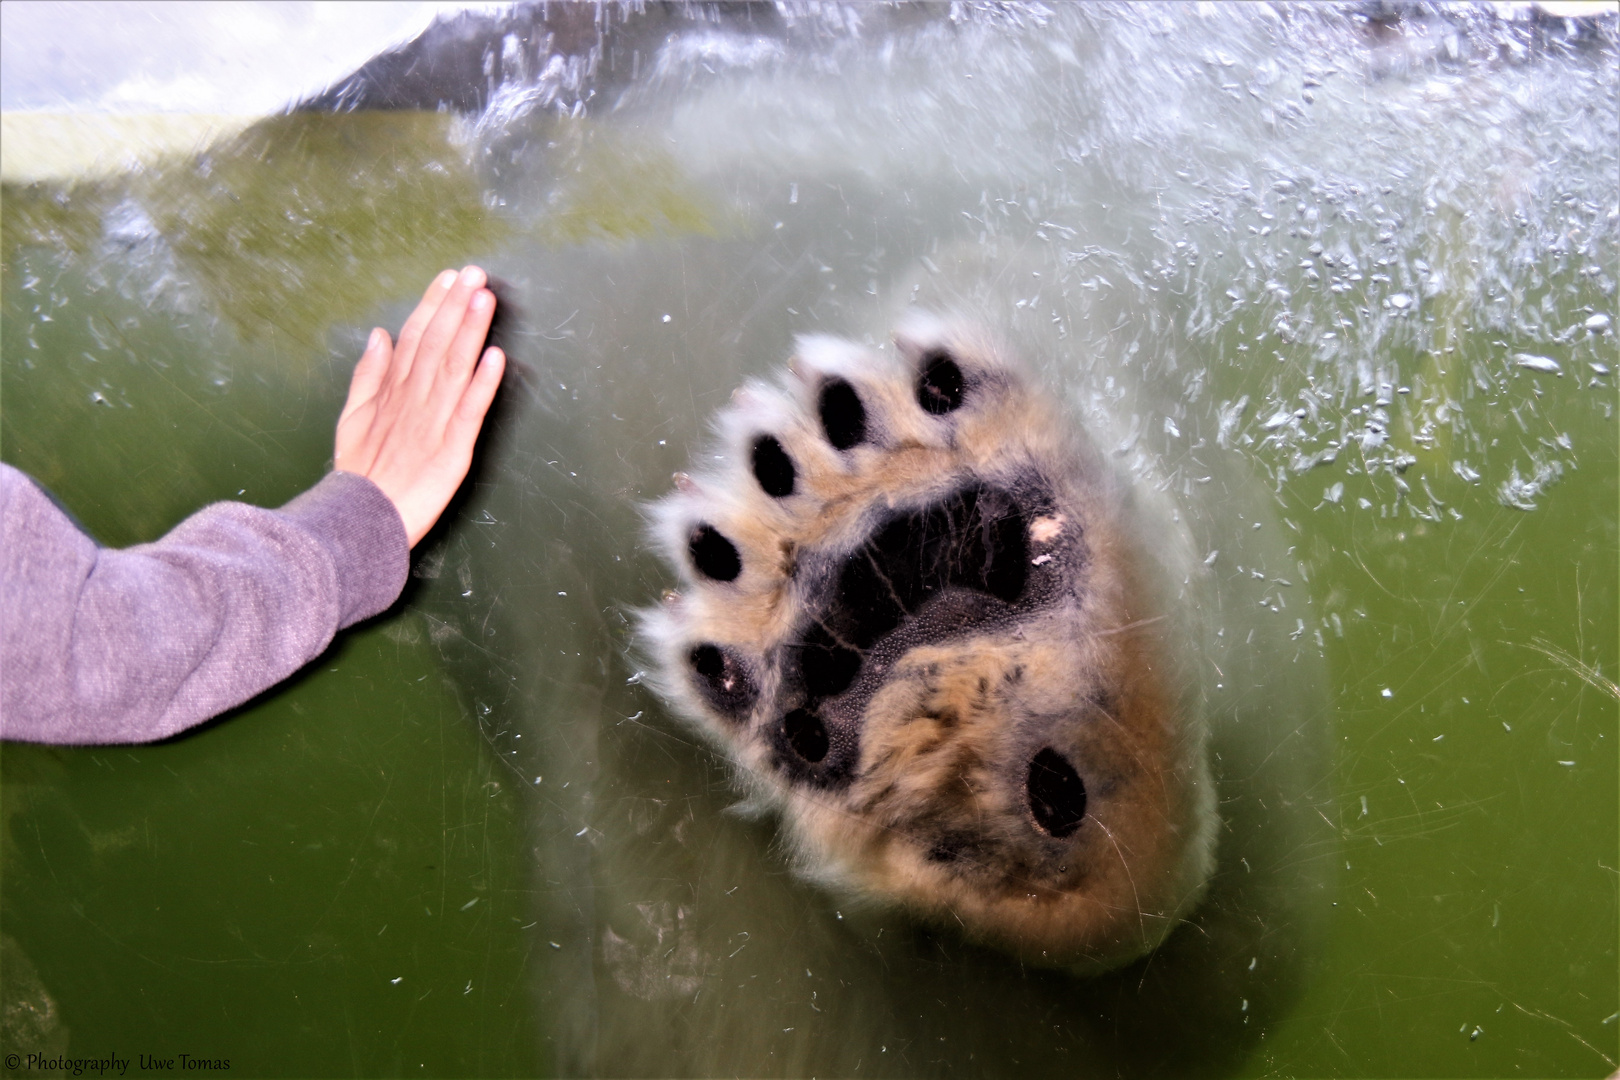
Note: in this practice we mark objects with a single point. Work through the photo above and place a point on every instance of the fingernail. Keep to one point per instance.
(446, 279)
(473, 276)
(482, 300)
(375, 341)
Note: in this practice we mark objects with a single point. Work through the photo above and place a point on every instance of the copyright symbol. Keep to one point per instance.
(12, 1061)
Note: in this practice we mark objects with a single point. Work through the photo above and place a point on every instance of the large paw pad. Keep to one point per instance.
(911, 612)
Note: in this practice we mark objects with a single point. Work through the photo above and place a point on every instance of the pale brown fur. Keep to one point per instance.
(935, 816)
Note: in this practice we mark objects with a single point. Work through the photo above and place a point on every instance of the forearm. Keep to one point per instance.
(103, 646)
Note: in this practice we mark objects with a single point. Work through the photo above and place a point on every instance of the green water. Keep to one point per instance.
(323, 884)
(469, 842)
(329, 880)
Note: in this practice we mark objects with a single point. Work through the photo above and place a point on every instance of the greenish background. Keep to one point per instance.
(468, 842)
(329, 880)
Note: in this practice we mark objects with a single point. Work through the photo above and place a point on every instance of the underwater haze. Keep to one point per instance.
(1334, 286)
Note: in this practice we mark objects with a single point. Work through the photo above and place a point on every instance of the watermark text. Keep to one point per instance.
(113, 1065)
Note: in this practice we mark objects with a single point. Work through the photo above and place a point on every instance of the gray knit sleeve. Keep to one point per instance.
(105, 646)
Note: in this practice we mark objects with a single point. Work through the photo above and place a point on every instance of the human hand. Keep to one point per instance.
(414, 409)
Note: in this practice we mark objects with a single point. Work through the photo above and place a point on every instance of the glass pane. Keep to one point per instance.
(1332, 287)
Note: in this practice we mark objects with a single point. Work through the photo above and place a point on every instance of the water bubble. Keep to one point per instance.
(1537, 363)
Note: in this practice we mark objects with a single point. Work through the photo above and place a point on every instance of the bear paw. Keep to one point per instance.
(913, 614)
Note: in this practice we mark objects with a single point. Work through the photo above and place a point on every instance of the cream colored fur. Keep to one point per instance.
(935, 817)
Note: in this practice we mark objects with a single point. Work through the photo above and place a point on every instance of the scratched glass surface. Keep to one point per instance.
(1337, 282)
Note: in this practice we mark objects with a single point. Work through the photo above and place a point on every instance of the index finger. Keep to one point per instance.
(446, 329)
(416, 324)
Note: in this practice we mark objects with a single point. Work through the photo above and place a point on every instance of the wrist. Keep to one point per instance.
(362, 531)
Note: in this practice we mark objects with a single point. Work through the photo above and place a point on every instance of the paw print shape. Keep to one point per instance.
(912, 612)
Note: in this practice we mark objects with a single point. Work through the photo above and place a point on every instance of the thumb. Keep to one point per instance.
(369, 372)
